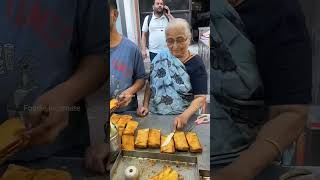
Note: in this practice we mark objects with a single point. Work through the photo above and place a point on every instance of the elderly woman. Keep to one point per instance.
(178, 78)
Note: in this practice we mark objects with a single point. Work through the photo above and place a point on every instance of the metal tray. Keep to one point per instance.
(204, 174)
(150, 164)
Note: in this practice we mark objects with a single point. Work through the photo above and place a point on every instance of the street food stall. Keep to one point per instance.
(150, 160)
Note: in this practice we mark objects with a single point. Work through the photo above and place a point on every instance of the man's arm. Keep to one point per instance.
(90, 75)
(137, 86)
(145, 30)
(286, 124)
(170, 17)
(147, 95)
(90, 46)
(126, 96)
(144, 44)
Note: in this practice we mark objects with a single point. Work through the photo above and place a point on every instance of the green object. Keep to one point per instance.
(294, 173)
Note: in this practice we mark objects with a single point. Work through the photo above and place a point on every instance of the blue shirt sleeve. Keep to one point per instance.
(139, 70)
(91, 28)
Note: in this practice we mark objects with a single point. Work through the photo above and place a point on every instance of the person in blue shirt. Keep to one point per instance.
(128, 76)
(52, 55)
(127, 70)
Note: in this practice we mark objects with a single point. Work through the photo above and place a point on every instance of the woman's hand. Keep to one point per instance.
(180, 121)
(142, 111)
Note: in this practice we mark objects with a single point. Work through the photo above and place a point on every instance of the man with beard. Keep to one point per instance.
(153, 29)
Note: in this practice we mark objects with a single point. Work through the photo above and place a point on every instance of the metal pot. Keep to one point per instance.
(115, 145)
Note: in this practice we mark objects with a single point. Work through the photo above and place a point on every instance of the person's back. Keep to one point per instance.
(42, 45)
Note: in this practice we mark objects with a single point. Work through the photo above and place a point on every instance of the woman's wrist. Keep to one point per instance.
(185, 115)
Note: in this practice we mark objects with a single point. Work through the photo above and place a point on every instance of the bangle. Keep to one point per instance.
(275, 144)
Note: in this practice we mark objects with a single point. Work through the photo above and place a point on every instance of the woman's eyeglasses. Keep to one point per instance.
(178, 40)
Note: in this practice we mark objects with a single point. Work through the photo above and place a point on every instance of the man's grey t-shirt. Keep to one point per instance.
(126, 66)
(41, 45)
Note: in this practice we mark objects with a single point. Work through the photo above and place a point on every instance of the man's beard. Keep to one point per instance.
(159, 12)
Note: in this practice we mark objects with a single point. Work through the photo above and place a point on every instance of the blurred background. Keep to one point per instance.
(309, 144)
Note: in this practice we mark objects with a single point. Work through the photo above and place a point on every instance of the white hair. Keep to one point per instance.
(180, 23)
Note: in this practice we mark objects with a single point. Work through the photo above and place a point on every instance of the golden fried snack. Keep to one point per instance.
(9, 130)
(122, 122)
(180, 141)
(11, 149)
(156, 177)
(154, 138)
(130, 128)
(10, 141)
(115, 118)
(193, 142)
(125, 116)
(128, 142)
(121, 131)
(15, 172)
(166, 174)
(173, 175)
(51, 174)
(113, 104)
(169, 148)
(142, 138)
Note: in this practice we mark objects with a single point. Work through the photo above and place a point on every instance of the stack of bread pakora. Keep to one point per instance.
(126, 127)
(167, 174)
(152, 138)
(114, 104)
(11, 140)
(15, 172)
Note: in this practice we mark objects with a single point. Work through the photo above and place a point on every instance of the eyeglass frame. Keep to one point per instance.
(175, 40)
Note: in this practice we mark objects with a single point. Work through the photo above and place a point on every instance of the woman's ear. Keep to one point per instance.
(188, 42)
(114, 15)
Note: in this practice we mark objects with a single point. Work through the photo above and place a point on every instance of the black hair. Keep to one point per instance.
(162, 1)
(113, 4)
